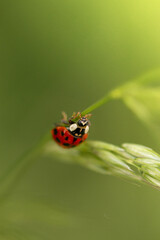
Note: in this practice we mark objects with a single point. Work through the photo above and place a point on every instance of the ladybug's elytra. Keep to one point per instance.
(69, 134)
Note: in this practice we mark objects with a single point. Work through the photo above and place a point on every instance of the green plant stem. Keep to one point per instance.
(118, 92)
(115, 94)
(13, 173)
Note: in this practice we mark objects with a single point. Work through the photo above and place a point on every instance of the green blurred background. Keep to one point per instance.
(64, 55)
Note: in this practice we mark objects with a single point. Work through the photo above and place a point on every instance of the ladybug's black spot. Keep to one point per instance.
(55, 131)
(74, 140)
(57, 139)
(62, 133)
(66, 144)
(66, 138)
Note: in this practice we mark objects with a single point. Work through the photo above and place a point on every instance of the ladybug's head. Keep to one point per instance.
(83, 122)
(80, 128)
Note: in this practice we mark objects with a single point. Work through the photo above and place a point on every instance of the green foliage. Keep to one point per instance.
(131, 161)
(142, 96)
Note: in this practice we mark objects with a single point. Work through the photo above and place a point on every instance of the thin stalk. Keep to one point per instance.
(13, 173)
(115, 94)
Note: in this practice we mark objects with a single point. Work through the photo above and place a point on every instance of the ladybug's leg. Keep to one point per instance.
(64, 115)
(64, 119)
(78, 115)
(57, 124)
(75, 115)
(88, 115)
(64, 122)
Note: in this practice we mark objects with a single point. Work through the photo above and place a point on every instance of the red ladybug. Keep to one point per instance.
(73, 133)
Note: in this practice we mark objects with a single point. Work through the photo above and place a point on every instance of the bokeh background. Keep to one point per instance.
(64, 55)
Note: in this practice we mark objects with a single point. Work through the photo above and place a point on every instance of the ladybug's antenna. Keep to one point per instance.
(88, 115)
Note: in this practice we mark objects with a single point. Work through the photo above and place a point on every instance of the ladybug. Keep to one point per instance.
(69, 133)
